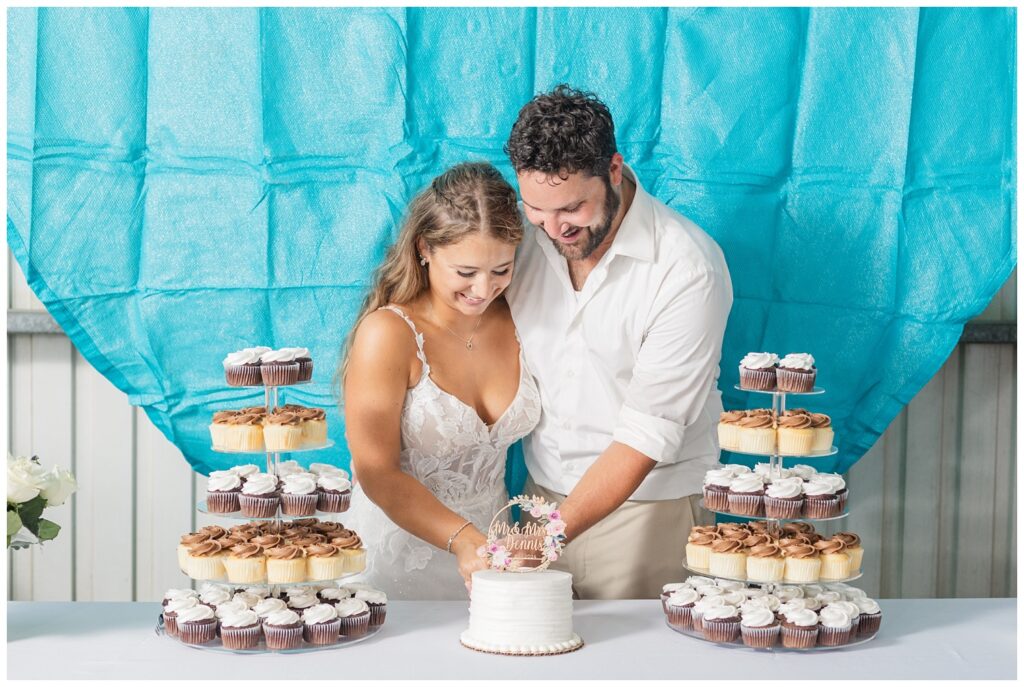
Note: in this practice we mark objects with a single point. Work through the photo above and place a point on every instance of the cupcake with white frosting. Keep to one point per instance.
(799, 629)
(269, 605)
(240, 629)
(679, 605)
(834, 626)
(334, 492)
(820, 499)
(260, 496)
(721, 623)
(298, 494)
(716, 489)
(222, 490)
(759, 627)
(784, 498)
(321, 624)
(283, 629)
(758, 370)
(870, 616)
(171, 608)
(796, 373)
(197, 625)
(746, 495)
(355, 617)
(242, 368)
(279, 368)
(377, 601)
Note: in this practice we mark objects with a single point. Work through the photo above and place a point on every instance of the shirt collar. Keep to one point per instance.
(635, 237)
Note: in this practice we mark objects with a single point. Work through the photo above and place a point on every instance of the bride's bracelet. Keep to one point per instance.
(451, 539)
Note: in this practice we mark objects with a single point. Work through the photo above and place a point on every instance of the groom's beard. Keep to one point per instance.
(591, 238)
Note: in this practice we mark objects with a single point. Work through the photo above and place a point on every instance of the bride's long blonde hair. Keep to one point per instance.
(469, 197)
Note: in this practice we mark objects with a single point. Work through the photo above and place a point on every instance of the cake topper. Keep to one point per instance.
(526, 546)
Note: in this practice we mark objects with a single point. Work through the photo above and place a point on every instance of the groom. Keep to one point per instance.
(621, 305)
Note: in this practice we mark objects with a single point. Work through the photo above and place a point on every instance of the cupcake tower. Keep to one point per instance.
(770, 491)
(281, 544)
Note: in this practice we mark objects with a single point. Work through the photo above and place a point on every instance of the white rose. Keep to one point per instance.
(24, 479)
(59, 485)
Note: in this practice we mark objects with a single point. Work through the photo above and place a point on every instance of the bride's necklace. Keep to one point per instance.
(469, 341)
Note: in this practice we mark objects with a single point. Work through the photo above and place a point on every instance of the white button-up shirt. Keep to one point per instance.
(633, 357)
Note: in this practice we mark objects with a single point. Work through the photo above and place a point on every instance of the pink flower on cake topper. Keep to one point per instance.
(555, 527)
(500, 558)
(552, 555)
(554, 515)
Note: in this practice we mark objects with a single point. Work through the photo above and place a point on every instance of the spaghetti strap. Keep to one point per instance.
(416, 335)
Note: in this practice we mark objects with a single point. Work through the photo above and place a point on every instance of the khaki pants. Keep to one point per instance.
(631, 553)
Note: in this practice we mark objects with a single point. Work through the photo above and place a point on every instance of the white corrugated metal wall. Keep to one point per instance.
(934, 501)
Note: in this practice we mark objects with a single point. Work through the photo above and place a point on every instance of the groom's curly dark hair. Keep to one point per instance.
(563, 132)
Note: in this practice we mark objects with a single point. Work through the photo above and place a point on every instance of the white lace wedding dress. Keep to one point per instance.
(448, 448)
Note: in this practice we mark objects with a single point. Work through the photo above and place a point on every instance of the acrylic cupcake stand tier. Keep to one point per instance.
(261, 648)
(762, 517)
(237, 515)
(778, 648)
(704, 572)
(271, 400)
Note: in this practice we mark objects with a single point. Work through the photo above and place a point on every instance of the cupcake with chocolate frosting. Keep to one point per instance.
(757, 434)
(698, 547)
(286, 564)
(246, 564)
(765, 563)
(795, 435)
(728, 429)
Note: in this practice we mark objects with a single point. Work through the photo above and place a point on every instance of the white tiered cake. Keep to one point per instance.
(521, 613)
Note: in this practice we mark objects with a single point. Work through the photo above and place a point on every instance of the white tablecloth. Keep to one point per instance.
(948, 638)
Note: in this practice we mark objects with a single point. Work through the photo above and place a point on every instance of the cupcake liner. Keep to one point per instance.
(322, 633)
(844, 496)
(746, 504)
(716, 500)
(240, 637)
(222, 502)
(286, 571)
(378, 612)
(835, 566)
(766, 569)
(795, 381)
(171, 624)
(279, 374)
(198, 631)
(206, 567)
(762, 380)
(325, 568)
(795, 442)
(728, 436)
(246, 570)
(331, 502)
(282, 637)
(314, 433)
(856, 558)
(258, 506)
(282, 438)
(244, 438)
(821, 508)
(298, 504)
(757, 440)
(799, 637)
(680, 616)
(823, 437)
(834, 636)
(721, 629)
(760, 637)
(355, 560)
(698, 556)
(802, 570)
(183, 558)
(243, 375)
(305, 369)
(869, 624)
(783, 508)
(730, 565)
(355, 625)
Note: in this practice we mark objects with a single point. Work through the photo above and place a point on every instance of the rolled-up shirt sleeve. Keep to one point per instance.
(677, 365)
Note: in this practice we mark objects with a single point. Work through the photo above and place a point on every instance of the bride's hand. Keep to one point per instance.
(464, 547)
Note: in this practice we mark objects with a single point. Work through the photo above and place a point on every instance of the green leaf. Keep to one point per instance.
(47, 530)
(13, 525)
(30, 512)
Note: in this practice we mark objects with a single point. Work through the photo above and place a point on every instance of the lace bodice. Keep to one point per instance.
(451, 450)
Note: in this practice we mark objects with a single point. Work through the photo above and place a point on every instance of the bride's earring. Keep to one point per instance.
(423, 261)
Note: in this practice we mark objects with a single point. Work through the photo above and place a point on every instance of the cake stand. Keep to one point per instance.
(774, 528)
(271, 400)
(778, 648)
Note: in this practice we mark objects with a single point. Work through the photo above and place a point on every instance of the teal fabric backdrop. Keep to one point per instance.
(186, 182)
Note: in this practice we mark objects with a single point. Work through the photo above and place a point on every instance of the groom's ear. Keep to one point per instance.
(615, 169)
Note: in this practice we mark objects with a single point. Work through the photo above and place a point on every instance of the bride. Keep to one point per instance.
(436, 387)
